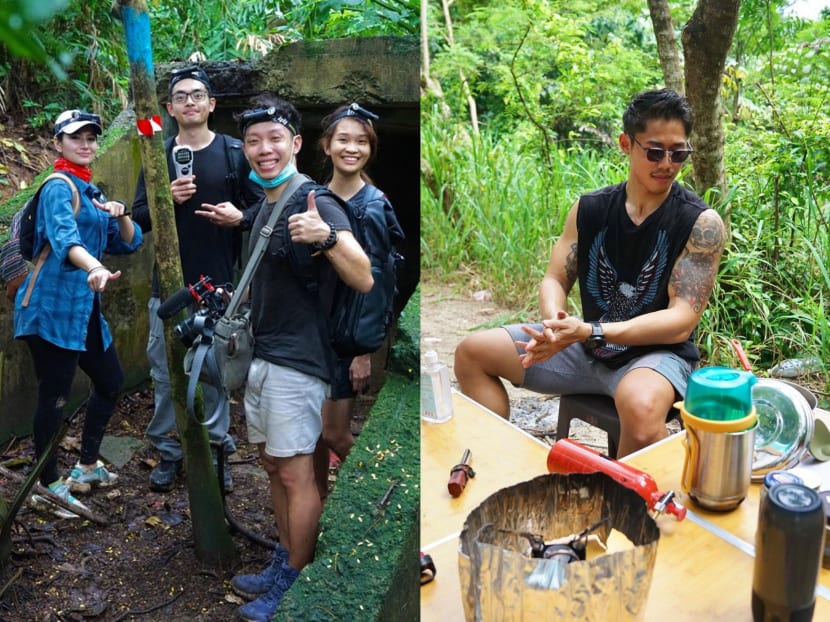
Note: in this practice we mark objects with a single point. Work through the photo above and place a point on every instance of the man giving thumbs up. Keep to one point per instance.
(293, 360)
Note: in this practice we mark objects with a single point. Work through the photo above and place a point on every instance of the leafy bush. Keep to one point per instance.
(83, 44)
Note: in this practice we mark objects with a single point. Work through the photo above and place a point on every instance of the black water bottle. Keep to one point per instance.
(789, 545)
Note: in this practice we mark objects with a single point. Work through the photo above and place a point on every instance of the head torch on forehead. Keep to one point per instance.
(355, 110)
(77, 116)
(189, 73)
(264, 114)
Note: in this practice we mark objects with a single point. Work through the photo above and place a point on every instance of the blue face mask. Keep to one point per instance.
(287, 173)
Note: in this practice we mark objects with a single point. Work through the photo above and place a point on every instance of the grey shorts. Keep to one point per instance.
(282, 409)
(575, 371)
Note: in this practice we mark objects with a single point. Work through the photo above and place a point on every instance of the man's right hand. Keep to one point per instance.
(556, 335)
(183, 188)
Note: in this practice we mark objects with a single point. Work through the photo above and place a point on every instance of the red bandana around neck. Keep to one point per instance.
(81, 172)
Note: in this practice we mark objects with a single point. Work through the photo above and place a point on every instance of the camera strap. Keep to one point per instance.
(203, 355)
(262, 241)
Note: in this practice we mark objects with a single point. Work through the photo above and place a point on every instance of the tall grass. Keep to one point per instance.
(490, 213)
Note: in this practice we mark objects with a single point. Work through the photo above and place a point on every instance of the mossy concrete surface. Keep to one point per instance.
(366, 565)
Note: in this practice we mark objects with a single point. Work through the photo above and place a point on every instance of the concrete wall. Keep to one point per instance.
(381, 73)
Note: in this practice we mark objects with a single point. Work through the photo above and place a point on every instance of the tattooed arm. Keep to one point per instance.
(693, 276)
(690, 285)
(561, 273)
(559, 278)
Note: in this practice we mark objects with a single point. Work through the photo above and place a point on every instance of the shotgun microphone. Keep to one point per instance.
(175, 302)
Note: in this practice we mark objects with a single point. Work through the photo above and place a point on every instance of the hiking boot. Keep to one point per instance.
(262, 609)
(59, 488)
(81, 480)
(253, 585)
(164, 475)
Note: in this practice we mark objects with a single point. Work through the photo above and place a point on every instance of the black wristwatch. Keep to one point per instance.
(597, 338)
(329, 241)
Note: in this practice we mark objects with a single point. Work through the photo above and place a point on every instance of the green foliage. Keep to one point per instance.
(20, 35)
(333, 19)
(491, 213)
(551, 65)
(493, 204)
(93, 72)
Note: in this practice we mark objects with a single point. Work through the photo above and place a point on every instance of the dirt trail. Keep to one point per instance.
(448, 315)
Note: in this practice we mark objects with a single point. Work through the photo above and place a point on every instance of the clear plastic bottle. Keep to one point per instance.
(793, 368)
(436, 397)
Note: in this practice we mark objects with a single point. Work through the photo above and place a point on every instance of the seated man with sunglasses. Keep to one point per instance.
(645, 253)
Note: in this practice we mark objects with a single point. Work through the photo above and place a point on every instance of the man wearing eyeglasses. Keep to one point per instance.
(214, 202)
(645, 253)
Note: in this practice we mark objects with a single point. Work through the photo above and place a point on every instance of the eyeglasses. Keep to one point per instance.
(197, 96)
(656, 154)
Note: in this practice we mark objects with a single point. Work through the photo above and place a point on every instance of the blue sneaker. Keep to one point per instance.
(59, 488)
(81, 480)
(253, 585)
(262, 609)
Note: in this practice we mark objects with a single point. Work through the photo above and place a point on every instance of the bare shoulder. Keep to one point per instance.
(707, 236)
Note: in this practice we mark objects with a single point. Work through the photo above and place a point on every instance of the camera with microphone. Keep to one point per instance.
(211, 302)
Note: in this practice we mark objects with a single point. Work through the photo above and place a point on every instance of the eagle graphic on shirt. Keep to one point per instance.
(619, 300)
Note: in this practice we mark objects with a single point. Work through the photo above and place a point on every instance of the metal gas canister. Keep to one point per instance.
(789, 545)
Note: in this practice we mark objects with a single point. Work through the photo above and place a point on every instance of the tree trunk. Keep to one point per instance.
(212, 539)
(706, 40)
(666, 44)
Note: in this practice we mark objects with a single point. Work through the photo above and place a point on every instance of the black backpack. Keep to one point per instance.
(19, 248)
(358, 323)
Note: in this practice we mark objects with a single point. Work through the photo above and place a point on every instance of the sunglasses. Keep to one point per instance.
(656, 154)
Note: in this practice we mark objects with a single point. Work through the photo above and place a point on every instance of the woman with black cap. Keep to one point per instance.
(58, 307)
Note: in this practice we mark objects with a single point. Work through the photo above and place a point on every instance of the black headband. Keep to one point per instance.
(189, 73)
(264, 114)
(355, 110)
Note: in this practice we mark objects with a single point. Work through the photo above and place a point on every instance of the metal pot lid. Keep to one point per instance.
(785, 426)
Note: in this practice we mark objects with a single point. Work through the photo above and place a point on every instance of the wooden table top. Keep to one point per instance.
(704, 564)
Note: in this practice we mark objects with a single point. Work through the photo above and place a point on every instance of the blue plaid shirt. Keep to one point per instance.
(61, 302)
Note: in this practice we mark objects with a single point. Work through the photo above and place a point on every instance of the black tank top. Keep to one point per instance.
(624, 269)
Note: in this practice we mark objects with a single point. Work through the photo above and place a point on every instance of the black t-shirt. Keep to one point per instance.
(205, 248)
(624, 268)
(289, 321)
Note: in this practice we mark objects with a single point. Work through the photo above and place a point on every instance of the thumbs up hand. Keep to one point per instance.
(307, 227)
(312, 203)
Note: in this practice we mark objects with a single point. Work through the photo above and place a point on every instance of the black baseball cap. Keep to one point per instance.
(191, 72)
